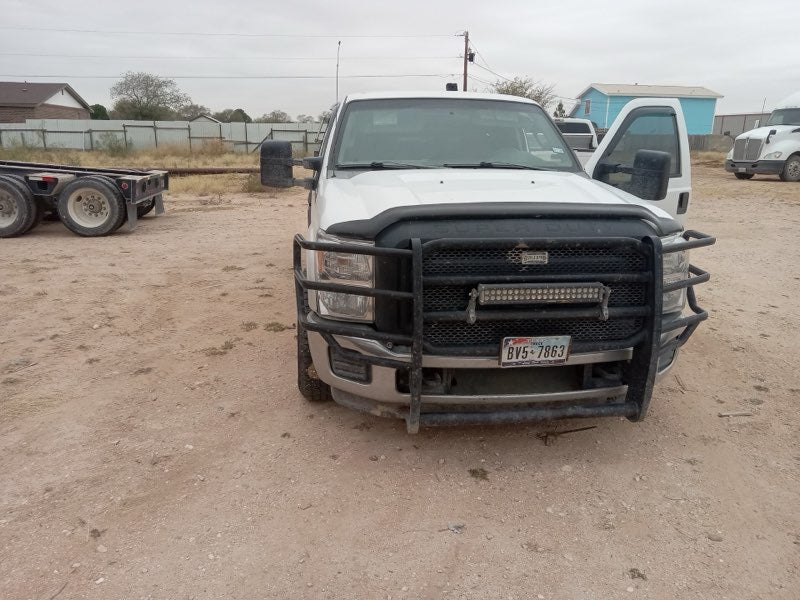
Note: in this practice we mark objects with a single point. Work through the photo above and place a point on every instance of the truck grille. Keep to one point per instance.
(738, 148)
(747, 149)
(753, 149)
(562, 261)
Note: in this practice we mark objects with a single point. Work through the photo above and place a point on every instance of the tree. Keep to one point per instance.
(276, 116)
(144, 96)
(559, 112)
(98, 112)
(232, 115)
(190, 111)
(543, 93)
(324, 116)
(305, 119)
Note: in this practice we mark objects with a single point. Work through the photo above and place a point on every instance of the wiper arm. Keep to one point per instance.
(386, 164)
(492, 165)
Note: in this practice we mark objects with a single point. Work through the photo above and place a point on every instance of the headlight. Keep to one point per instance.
(676, 268)
(772, 155)
(346, 268)
(729, 156)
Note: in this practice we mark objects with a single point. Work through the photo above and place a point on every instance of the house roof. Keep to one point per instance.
(656, 91)
(24, 94)
(207, 117)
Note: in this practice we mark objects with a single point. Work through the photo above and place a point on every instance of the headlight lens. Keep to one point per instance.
(676, 268)
(345, 268)
(772, 155)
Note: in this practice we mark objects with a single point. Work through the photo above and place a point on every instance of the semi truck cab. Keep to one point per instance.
(773, 149)
(461, 267)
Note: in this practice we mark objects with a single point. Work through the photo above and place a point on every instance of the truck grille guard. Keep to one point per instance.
(646, 342)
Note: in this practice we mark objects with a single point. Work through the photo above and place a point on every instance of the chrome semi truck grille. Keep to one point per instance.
(747, 149)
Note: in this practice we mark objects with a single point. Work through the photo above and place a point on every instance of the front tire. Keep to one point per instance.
(311, 387)
(743, 175)
(91, 206)
(791, 169)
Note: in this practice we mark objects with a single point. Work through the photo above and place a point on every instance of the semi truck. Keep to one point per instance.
(461, 267)
(773, 149)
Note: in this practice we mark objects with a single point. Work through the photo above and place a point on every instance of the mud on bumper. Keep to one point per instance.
(388, 373)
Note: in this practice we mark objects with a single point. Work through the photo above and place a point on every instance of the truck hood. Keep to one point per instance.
(761, 133)
(370, 193)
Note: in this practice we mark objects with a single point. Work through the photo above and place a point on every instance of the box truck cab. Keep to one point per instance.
(461, 267)
(773, 149)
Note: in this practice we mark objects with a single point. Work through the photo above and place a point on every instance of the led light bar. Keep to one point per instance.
(543, 293)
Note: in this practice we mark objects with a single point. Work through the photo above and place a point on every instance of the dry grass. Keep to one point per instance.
(210, 154)
(709, 159)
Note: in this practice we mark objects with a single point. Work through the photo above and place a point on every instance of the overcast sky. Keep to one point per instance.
(742, 50)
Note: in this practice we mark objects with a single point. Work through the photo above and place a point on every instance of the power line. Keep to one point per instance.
(232, 57)
(240, 76)
(492, 72)
(226, 34)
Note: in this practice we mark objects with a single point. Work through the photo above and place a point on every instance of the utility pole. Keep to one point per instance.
(338, 48)
(466, 59)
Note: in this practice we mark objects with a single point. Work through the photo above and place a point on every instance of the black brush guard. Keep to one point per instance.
(646, 343)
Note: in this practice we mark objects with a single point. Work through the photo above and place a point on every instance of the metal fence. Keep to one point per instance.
(739, 123)
(141, 135)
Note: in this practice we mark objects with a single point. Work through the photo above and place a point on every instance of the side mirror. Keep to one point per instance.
(650, 175)
(771, 133)
(276, 164)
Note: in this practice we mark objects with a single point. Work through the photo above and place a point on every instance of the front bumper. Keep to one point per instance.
(389, 355)
(758, 167)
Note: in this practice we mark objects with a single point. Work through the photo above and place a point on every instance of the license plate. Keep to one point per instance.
(527, 351)
(742, 169)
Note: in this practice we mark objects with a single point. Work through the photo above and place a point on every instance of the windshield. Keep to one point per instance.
(573, 127)
(785, 116)
(448, 132)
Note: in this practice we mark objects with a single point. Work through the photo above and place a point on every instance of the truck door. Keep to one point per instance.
(647, 124)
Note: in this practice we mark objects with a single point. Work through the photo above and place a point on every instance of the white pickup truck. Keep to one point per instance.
(770, 150)
(454, 273)
(580, 134)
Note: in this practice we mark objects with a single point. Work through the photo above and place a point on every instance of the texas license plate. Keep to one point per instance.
(742, 169)
(527, 351)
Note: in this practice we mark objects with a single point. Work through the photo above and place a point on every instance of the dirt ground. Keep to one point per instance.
(153, 443)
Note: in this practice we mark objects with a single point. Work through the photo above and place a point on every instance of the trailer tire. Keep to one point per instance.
(145, 207)
(791, 169)
(311, 387)
(91, 206)
(18, 209)
(743, 175)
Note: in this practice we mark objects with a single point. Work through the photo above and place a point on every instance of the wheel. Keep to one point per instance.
(39, 214)
(791, 169)
(743, 175)
(91, 206)
(18, 210)
(309, 384)
(145, 207)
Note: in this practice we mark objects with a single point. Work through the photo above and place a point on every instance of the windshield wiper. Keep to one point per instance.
(385, 164)
(493, 165)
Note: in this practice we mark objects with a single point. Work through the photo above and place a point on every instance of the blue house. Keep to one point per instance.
(601, 103)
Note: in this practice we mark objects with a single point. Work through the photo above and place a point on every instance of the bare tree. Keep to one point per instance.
(543, 93)
(140, 95)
